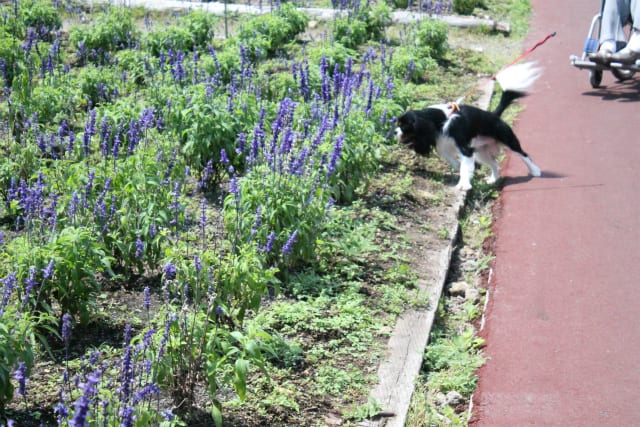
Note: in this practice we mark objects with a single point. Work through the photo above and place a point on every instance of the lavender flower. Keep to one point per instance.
(20, 376)
(257, 222)
(9, 285)
(175, 205)
(73, 204)
(66, 329)
(234, 189)
(127, 416)
(287, 249)
(169, 271)
(370, 97)
(105, 134)
(147, 299)
(165, 335)
(89, 389)
(133, 135)
(167, 414)
(147, 119)
(30, 283)
(88, 189)
(383, 117)
(71, 142)
(305, 90)
(47, 272)
(271, 239)
(242, 142)
(62, 412)
(139, 248)
(223, 157)
(117, 140)
(197, 263)
(335, 155)
(297, 163)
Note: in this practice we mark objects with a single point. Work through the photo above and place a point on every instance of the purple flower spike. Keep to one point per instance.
(335, 155)
(47, 272)
(139, 248)
(20, 376)
(84, 402)
(169, 271)
(66, 328)
(287, 249)
(147, 298)
(223, 157)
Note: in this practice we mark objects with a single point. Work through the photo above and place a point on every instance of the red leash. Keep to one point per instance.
(526, 53)
(454, 106)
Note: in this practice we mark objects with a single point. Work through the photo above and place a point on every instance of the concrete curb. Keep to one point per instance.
(321, 14)
(405, 349)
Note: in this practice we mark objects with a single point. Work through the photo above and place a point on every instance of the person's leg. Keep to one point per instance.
(634, 39)
(631, 53)
(615, 15)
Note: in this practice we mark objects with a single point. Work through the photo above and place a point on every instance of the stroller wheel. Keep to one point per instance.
(595, 78)
(622, 75)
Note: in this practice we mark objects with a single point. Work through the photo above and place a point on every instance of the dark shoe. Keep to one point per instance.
(602, 57)
(625, 56)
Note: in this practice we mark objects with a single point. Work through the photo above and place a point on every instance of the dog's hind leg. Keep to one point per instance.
(486, 152)
(486, 156)
(467, 167)
(533, 169)
(507, 137)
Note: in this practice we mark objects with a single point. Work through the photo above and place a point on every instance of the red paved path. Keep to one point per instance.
(563, 322)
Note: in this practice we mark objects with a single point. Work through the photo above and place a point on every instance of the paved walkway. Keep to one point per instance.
(563, 322)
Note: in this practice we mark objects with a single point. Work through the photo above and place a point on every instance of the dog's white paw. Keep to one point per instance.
(491, 179)
(463, 186)
(535, 172)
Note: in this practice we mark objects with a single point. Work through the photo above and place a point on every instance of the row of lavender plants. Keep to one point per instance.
(208, 165)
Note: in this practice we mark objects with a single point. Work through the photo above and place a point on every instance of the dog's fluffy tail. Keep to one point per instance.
(515, 81)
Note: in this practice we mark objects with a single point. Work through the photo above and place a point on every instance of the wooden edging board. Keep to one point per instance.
(404, 353)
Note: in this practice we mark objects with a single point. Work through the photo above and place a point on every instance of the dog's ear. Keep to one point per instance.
(407, 119)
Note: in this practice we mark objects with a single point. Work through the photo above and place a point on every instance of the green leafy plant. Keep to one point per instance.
(40, 15)
(113, 30)
(466, 7)
(272, 32)
(366, 23)
(350, 32)
(335, 54)
(12, 57)
(190, 31)
(360, 157)
(205, 126)
(138, 65)
(452, 363)
(431, 38)
(16, 345)
(239, 350)
(407, 65)
(97, 85)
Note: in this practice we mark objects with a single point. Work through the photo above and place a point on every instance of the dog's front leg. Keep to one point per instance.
(467, 167)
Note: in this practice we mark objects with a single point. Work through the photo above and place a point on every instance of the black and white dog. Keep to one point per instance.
(463, 134)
